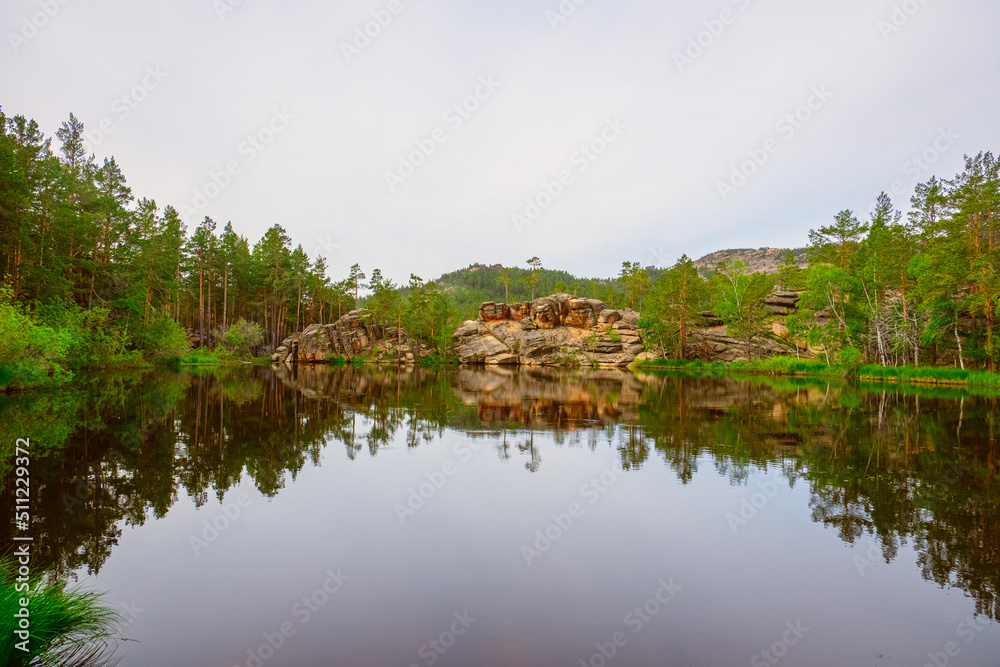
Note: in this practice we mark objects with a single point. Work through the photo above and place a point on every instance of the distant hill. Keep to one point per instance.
(471, 286)
(761, 259)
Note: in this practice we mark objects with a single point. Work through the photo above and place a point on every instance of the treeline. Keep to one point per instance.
(471, 287)
(73, 231)
(884, 290)
(90, 274)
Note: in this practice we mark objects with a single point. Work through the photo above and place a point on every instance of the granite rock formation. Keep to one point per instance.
(556, 330)
(353, 335)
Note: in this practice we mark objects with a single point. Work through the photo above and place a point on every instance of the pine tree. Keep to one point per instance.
(836, 244)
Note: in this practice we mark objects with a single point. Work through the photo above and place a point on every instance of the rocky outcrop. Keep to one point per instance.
(713, 343)
(556, 330)
(783, 303)
(353, 335)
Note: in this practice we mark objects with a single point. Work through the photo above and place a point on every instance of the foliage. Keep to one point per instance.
(850, 360)
(164, 339)
(636, 282)
(86, 259)
(68, 625)
(673, 307)
(738, 299)
(31, 354)
(243, 339)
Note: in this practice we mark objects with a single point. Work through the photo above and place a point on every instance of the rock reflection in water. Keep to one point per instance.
(916, 466)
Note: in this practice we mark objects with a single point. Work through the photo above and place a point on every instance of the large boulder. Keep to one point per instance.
(555, 330)
(583, 314)
(494, 312)
(783, 303)
(353, 335)
(546, 313)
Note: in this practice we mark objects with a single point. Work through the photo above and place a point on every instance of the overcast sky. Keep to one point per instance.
(668, 97)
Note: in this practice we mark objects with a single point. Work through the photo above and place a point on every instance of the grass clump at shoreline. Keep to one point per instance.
(773, 366)
(67, 625)
(929, 375)
(872, 373)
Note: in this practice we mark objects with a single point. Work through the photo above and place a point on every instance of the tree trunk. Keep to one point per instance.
(989, 336)
(298, 308)
(210, 281)
(683, 336)
(958, 340)
(201, 306)
(225, 297)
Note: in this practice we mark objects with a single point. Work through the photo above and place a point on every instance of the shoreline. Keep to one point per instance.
(928, 376)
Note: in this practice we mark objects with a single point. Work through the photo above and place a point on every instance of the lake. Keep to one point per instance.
(368, 516)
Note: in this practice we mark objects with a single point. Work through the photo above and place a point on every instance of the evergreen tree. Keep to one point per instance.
(674, 306)
(835, 244)
(738, 299)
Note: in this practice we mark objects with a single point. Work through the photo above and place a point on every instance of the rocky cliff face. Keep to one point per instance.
(713, 343)
(763, 259)
(557, 330)
(353, 335)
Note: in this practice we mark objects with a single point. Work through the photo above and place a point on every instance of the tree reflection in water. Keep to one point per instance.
(896, 466)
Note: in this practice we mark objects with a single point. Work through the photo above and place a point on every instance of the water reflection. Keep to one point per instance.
(917, 467)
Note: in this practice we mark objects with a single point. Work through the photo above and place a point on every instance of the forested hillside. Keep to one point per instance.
(881, 290)
(470, 287)
(94, 274)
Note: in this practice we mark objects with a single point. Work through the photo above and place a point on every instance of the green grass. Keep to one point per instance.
(788, 366)
(207, 357)
(929, 375)
(773, 366)
(871, 373)
(68, 626)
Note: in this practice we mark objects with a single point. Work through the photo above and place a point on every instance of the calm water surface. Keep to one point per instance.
(255, 517)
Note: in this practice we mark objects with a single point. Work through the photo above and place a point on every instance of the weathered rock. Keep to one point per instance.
(494, 312)
(519, 311)
(545, 313)
(581, 314)
(609, 317)
(353, 335)
(549, 331)
(714, 344)
(783, 303)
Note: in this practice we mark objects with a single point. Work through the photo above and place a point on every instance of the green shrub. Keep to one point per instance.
(850, 360)
(97, 339)
(165, 339)
(243, 339)
(31, 354)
